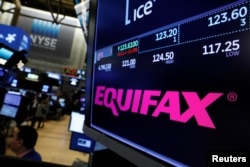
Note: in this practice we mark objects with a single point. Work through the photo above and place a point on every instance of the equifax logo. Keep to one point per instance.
(138, 101)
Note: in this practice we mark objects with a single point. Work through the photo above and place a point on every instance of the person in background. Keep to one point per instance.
(75, 101)
(32, 104)
(22, 142)
(41, 112)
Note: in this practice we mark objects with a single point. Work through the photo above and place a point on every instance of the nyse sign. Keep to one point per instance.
(42, 41)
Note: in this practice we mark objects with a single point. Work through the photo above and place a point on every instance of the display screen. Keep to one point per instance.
(53, 97)
(12, 98)
(45, 88)
(54, 75)
(170, 78)
(9, 111)
(32, 77)
(76, 122)
(14, 83)
(61, 102)
(81, 142)
(5, 55)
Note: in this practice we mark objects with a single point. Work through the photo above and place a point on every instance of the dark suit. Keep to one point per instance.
(33, 155)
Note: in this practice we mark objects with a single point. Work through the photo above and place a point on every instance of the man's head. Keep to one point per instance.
(23, 138)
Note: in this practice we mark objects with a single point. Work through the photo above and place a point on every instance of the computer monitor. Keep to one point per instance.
(76, 122)
(54, 75)
(61, 101)
(53, 97)
(9, 111)
(5, 55)
(32, 77)
(12, 98)
(45, 88)
(167, 81)
(14, 83)
(81, 142)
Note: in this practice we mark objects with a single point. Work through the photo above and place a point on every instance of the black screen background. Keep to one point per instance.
(191, 71)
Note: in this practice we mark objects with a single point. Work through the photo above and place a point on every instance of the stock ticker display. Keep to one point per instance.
(181, 64)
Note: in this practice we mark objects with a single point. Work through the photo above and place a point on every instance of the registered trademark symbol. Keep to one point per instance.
(232, 96)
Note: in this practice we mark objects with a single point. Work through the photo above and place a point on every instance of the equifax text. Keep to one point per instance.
(138, 101)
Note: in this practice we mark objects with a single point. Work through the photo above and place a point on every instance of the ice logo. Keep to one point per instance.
(139, 12)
